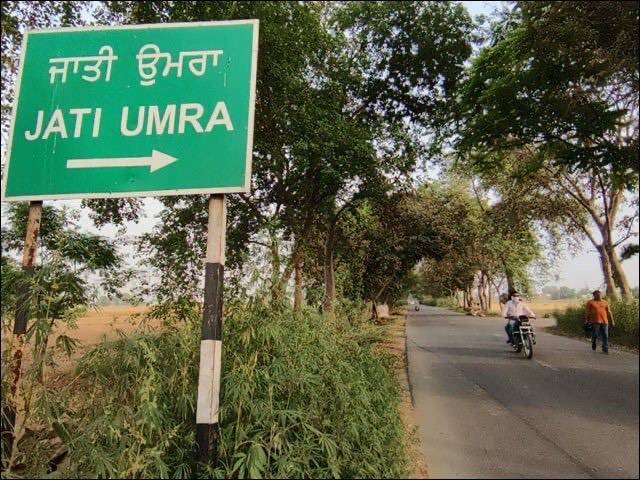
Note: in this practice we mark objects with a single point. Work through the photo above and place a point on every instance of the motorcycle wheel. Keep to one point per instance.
(518, 346)
(528, 347)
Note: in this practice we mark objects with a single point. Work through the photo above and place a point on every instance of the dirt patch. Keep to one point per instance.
(396, 344)
(96, 325)
(543, 307)
(105, 322)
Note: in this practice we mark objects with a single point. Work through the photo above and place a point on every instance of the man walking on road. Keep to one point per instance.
(598, 314)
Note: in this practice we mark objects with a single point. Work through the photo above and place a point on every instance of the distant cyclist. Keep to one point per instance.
(514, 309)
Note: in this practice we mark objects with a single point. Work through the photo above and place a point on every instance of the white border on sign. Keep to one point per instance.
(158, 193)
(14, 110)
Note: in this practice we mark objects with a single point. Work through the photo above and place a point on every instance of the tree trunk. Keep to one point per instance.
(615, 266)
(278, 283)
(298, 294)
(482, 292)
(485, 283)
(606, 229)
(511, 287)
(619, 276)
(607, 273)
(329, 276)
(468, 297)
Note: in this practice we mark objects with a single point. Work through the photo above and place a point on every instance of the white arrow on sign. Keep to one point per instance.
(156, 161)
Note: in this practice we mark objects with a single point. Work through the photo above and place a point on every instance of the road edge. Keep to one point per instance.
(396, 344)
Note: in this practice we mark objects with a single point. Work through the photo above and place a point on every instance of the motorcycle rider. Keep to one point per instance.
(515, 308)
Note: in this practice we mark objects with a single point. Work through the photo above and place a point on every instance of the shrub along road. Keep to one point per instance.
(485, 411)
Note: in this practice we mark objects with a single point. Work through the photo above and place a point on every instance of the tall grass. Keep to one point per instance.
(625, 315)
(302, 397)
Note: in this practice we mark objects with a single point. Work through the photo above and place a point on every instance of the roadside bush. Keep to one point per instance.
(626, 318)
(353, 311)
(302, 398)
(447, 302)
(625, 315)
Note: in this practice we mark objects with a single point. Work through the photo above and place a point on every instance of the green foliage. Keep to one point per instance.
(625, 314)
(562, 77)
(412, 54)
(629, 251)
(353, 311)
(66, 256)
(11, 272)
(381, 241)
(17, 16)
(558, 293)
(303, 398)
(474, 236)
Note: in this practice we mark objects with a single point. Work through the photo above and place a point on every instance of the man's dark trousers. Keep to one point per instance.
(601, 329)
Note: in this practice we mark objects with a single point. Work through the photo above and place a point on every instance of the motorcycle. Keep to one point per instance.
(524, 338)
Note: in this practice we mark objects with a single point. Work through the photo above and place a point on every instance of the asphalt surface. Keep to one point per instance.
(485, 411)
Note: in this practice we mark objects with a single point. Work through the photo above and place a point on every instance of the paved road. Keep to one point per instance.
(485, 411)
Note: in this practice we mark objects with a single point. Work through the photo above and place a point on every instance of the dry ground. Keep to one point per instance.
(96, 324)
(397, 346)
(544, 306)
(105, 321)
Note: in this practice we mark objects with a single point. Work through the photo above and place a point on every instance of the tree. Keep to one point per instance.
(67, 258)
(484, 243)
(600, 198)
(568, 205)
(18, 17)
(411, 55)
(319, 140)
(298, 127)
(561, 77)
(380, 243)
(396, 84)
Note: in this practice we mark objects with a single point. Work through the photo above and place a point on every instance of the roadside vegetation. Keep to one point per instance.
(303, 398)
(625, 314)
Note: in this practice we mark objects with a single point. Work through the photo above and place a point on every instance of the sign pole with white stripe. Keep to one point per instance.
(207, 410)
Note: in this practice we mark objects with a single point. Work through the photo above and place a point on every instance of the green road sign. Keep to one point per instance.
(138, 110)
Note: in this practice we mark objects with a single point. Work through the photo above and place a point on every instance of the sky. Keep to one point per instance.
(577, 270)
(482, 8)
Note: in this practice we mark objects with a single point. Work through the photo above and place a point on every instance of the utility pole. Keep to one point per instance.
(20, 323)
(208, 406)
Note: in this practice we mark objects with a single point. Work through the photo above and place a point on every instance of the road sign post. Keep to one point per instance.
(207, 414)
(142, 110)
